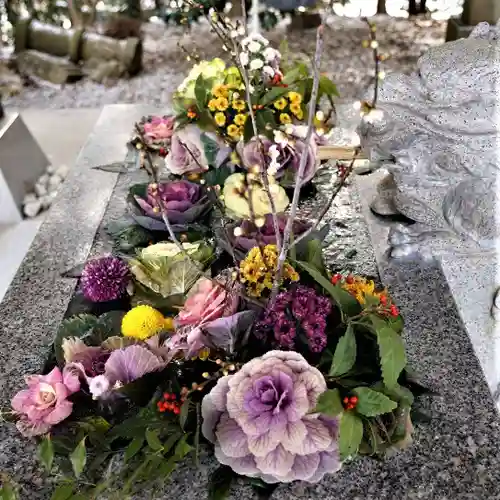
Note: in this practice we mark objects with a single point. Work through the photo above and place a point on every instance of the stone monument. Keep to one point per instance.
(439, 127)
(474, 12)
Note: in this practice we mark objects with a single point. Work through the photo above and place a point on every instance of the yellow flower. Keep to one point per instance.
(220, 119)
(360, 288)
(143, 322)
(212, 105)
(295, 97)
(233, 131)
(204, 354)
(235, 158)
(280, 103)
(221, 103)
(285, 118)
(240, 119)
(296, 109)
(239, 104)
(220, 90)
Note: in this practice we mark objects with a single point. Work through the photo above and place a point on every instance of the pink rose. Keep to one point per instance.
(206, 301)
(158, 129)
(45, 402)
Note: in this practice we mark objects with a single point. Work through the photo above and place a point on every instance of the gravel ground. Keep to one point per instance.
(165, 63)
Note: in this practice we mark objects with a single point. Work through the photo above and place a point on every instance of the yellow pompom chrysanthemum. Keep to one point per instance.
(143, 322)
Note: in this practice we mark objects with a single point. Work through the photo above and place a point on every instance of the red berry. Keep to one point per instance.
(350, 279)
(336, 278)
(394, 311)
(346, 401)
(166, 396)
(383, 300)
(159, 405)
(353, 400)
(177, 410)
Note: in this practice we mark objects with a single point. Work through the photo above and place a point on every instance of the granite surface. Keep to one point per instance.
(456, 455)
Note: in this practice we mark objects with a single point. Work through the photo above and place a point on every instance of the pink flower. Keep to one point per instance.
(45, 402)
(159, 129)
(206, 302)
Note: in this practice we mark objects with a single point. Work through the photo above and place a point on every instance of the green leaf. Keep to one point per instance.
(108, 325)
(329, 403)
(7, 491)
(315, 255)
(398, 393)
(184, 413)
(345, 353)
(133, 448)
(78, 458)
(220, 483)
(217, 176)
(272, 95)
(167, 467)
(153, 440)
(327, 87)
(392, 355)
(170, 442)
(372, 403)
(77, 326)
(210, 147)
(46, 453)
(63, 491)
(200, 92)
(350, 434)
(183, 447)
(344, 300)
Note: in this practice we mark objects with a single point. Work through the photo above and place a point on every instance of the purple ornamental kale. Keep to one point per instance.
(299, 309)
(105, 279)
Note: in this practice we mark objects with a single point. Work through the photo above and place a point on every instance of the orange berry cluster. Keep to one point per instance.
(191, 113)
(170, 403)
(350, 403)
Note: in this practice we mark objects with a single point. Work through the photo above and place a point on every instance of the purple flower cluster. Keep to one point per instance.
(298, 310)
(105, 279)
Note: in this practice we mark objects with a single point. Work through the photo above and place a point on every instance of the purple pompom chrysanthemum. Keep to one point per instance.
(105, 279)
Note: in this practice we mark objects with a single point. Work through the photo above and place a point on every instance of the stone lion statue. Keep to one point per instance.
(438, 135)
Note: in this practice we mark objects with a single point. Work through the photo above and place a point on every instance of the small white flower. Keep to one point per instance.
(98, 386)
(245, 42)
(254, 47)
(211, 11)
(256, 64)
(244, 59)
(241, 30)
(274, 152)
(233, 34)
(259, 38)
(173, 4)
(280, 138)
(267, 70)
(271, 54)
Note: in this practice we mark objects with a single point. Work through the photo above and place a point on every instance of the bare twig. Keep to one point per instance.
(340, 184)
(302, 166)
(376, 59)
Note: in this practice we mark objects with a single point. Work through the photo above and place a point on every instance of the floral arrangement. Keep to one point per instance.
(216, 322)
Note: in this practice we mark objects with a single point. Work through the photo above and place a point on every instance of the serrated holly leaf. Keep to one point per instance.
(77, 326)
(372, 403)
(345, 353)
(392, 355)
(133, 448)
(329, 403)
(220, 483)
(78, 458)
(46, 453)
(350, 434)
(153, 441)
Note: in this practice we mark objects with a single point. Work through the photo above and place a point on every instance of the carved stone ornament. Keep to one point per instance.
(437, 132)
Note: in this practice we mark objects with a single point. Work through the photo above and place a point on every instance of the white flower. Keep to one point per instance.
(244, 59)
(259, 38)
(233, 34)
(271, 54)
(98, 386)
(254, 47)
(267, 70)
(241, 30)
(280, 138)
(256, 64)
(274, 165)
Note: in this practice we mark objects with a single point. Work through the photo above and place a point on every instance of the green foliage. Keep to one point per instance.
(63, 491)
(201, 89)
(392, 355)
(372, 403)
(345, 353)
(46, 453)
(128, 236)
(77, 326)
(217, 176)
(210, 147)
(79, 458)
(220, 483)
(350, 434)
(8, 491)
(315, 255)
(329, 403)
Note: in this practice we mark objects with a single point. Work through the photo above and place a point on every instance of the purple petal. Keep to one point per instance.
(231, 438)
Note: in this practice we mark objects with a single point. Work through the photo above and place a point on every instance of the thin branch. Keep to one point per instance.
(302, 165)
(340, 184)
(376, 59)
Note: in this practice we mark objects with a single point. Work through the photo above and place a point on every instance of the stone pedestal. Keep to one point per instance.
(22, 162)
(475, 12)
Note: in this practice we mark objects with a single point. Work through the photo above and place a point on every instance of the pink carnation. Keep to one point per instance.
(261, 423)
(45, 402)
